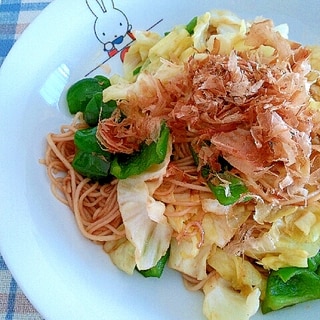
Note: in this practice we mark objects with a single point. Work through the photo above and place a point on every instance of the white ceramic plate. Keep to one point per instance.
(64, 275)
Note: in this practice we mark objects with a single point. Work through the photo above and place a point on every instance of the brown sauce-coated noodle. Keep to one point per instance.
(94, 205)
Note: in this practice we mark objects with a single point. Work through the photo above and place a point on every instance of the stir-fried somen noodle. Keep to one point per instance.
(94, 205)
(237, 192)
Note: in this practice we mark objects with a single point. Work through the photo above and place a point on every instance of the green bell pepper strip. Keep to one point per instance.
(292, 285)
(81, 92)
(91, 165)
(136, 71)
(86, 140)
(216, 181)
(124, 166)
(191, 25)
(96, 109)
(227, 195)
(157, 270)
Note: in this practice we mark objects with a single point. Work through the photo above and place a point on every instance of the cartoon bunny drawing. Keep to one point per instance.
(111, 24)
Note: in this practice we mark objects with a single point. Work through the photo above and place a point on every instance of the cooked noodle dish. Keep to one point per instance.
(203, 156)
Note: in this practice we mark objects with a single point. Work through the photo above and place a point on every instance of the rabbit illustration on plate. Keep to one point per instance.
(111, 25)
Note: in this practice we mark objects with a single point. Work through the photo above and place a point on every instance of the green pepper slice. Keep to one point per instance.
(137, 70)
(157, 270)
(81, 92)
(96, 109)
(191, 25)
(86, 140)
(292, 285)
(91, 165)
(228, 192)
(226, 187)
(124, 166)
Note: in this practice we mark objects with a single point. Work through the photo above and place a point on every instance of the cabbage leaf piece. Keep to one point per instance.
(122, 254)
(222, 302)
(240, 273)
(143, 217)
(291, 240)
(233, 292)
(188, 259)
